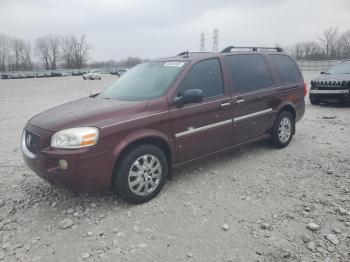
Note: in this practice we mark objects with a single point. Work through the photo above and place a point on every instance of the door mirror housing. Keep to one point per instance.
(189, 96)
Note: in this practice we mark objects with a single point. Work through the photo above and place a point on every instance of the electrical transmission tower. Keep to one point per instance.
(202, 42)
(215, 40)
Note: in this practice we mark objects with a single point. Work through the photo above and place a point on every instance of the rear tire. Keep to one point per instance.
(141, 173)
(283, 129)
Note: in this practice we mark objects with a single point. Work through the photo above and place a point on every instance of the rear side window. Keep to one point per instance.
(249, 72)
(286, 69)
(206, 76)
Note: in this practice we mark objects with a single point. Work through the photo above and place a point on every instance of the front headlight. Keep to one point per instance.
(75, 137)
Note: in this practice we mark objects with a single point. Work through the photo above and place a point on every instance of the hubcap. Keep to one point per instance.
(285, 129)
(144, 175)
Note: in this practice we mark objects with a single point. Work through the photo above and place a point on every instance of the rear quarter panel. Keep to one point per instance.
(289, 94)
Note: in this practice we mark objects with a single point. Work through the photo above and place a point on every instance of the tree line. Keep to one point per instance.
(52, 51)
(124, 63)
(330, 45)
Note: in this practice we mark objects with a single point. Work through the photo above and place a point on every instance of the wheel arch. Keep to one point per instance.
(150, 137)
(290, 108)
(287, 107)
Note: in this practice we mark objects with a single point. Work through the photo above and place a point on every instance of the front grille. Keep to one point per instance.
(32, 141)
(330, 84)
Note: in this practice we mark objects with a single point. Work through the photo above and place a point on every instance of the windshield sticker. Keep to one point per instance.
(175, 64)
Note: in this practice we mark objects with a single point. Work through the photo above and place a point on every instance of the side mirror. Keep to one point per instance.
(189, 96)
(322, 72)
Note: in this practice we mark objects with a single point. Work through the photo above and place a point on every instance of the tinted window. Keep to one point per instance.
(206, 76)
(286, 69)
(249, 72)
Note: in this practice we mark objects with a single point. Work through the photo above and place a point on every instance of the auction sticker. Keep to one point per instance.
(175, 64)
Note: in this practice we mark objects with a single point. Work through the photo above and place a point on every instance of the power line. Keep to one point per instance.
(202, 42)
(215, 40)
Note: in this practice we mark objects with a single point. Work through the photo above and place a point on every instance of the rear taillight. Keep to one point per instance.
(305, 89)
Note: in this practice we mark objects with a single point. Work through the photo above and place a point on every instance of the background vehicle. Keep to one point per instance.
(119, 72)
(165, 113)
(56, 74)
(92, 75)
(333, 85)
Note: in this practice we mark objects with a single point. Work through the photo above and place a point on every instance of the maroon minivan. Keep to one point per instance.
(164, 113)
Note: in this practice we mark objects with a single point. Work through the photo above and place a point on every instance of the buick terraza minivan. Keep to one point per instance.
(164, 113)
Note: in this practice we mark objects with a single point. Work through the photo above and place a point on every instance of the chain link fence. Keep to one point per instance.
(306, 65)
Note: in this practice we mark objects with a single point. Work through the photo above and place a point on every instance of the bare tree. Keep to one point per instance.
(16, 46)
(329, 41)
(297, 51)
(80, 50)
(75, 51)
(47, 48)
(25, 55)
(4, 51)
(331, 45)
(20, 54)
(42, 51)
(54, 45)
(67, 51)
(344, 44)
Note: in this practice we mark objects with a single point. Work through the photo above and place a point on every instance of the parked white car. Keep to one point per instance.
(92, 75)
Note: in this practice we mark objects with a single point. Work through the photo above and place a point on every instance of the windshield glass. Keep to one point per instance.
(341, 68)
(145, 81)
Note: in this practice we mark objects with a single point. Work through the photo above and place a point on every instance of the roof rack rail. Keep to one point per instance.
(253, 48)
(184, 54)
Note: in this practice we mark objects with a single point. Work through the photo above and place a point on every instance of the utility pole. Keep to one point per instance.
(215, 40)
(202, 49)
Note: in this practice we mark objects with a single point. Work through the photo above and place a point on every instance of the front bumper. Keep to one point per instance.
(331, 92)
(88, 168)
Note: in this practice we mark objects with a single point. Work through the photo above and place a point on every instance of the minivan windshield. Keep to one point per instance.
(145, 81)
(338, 69)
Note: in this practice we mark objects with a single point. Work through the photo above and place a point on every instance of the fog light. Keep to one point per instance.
(63, 164)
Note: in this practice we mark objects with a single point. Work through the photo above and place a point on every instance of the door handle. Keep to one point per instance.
(240, 101)
(225, 105)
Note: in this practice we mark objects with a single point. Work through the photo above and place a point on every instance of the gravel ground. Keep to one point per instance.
(252, 204)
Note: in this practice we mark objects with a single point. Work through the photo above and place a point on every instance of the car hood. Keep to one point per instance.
(90, 111)
(340, 77)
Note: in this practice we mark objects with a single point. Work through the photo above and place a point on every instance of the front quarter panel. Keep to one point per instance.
(153, 122)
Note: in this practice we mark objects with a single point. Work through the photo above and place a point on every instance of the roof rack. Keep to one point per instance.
(184, 54)
(253, 48)
(187, 53)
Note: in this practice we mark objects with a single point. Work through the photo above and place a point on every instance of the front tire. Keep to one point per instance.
(314, 99)
(283, 129)
(141, 173)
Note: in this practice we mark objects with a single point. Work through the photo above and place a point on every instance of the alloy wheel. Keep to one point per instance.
(285, 129)
(145, 175)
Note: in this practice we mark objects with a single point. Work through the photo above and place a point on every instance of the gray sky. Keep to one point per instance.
(155, 28)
